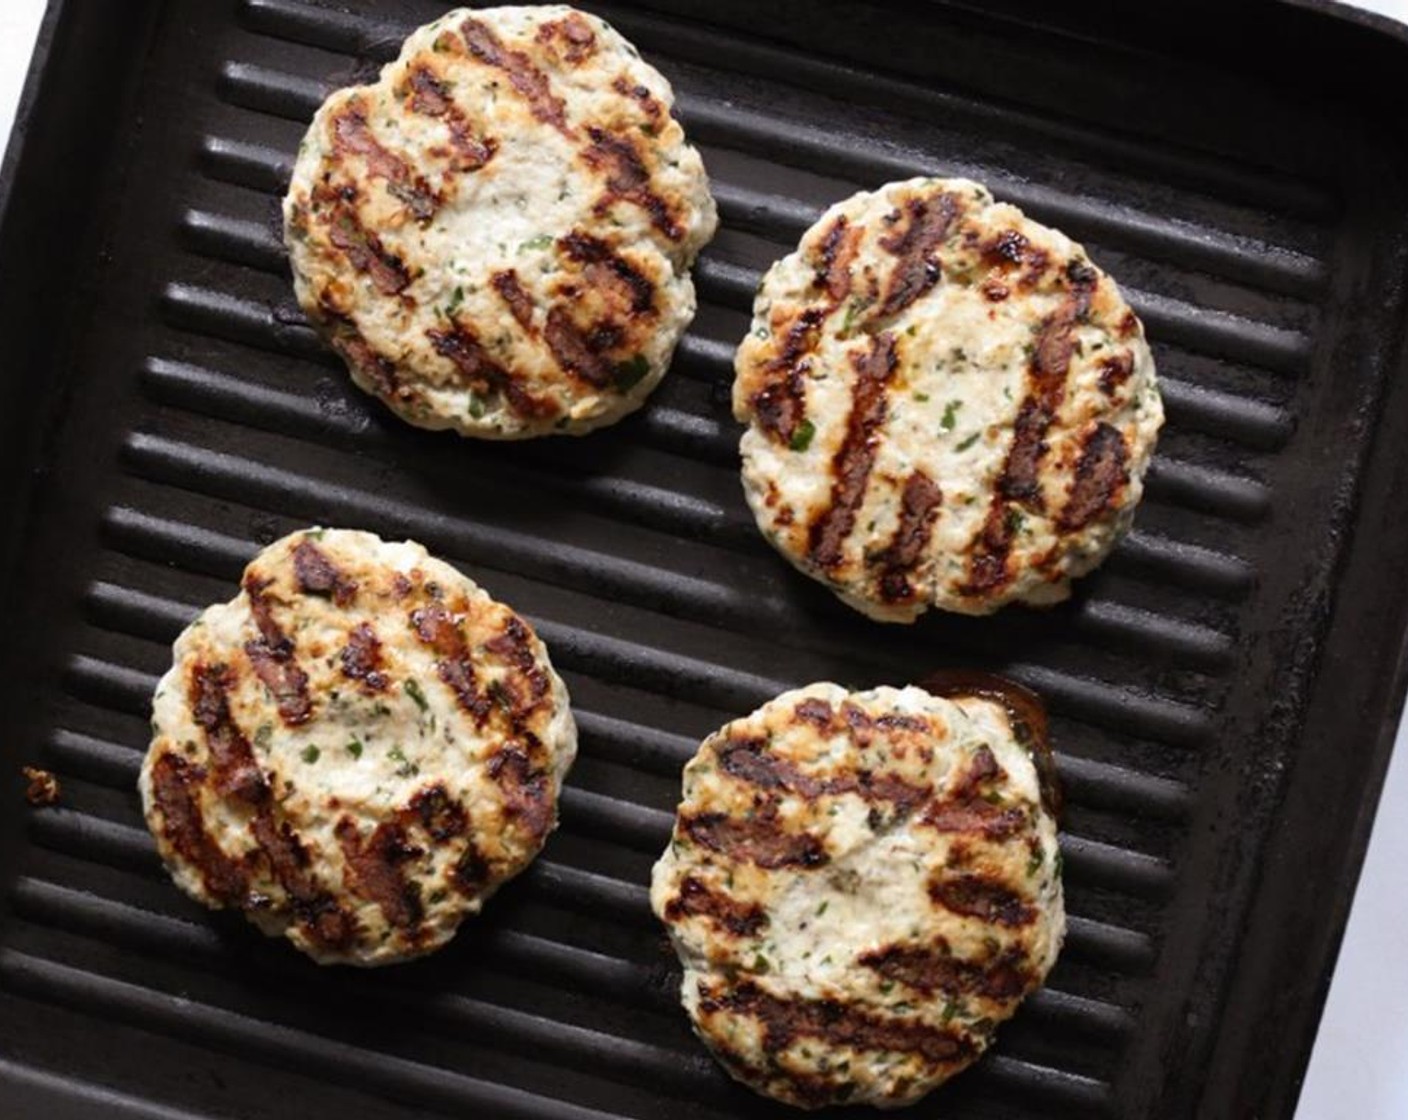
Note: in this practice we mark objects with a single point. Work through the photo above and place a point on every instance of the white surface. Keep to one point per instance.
(1359, 1067)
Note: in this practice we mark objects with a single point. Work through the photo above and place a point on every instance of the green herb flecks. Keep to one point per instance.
(405, 768)
(542, 241)
(1037, 859)
(1015, 520)
(802, 436)
(761, 965)
(627, 374)
(967, 443)
(950, 417)
(354, 748)
(413, 690)
(311, 754)
(820, 910)
(262, 734)
(476, 405)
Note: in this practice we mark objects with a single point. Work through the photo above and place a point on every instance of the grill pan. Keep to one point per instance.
(1223, 693)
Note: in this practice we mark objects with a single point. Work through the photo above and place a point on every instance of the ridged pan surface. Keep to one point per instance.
(199, 418)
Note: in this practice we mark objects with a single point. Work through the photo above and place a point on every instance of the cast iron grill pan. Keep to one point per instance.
(175, 413)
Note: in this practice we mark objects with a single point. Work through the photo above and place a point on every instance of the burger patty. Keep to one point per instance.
(860, 888)
(496, 235)
(947, 404)
(357, 750)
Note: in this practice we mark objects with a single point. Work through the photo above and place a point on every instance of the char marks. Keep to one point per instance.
(920, 502)
(1020, 482)
(439, 630)
(751, 761)
(1101, 471)
(431, 96)
(850, 466)
(515, 297)
(352, 135)
(779, 405)
(374, 866)
(271, 655)
(934, 968)
(318, 575)
(572, 34)
(984, 898)
(365, 252)
(530, 82)
(577, 352)
(603, 265)
(916, 269)
(175, 786)
(526, 790)
(759, 839)
(628, 179)
(838, 251)
(237, 774)
(484, 375)
(697, 899)
(834, 1022)
(361, 658)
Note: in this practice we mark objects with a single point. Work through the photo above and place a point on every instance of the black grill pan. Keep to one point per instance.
(1224, 692)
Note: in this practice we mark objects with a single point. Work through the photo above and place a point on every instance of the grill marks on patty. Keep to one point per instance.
(850, 466)
(983, 897)
(1019, 485)
(920, 502)
(365, 252)
(530, 82)
(628, 179)
(362, 660)
(175, 786)
(316, 574)
(352, 135)
(698, 899)
(431, 96)
(751, 761)
(934, 968)
(1100, 474)
(834, 1022)
(237, 773)
(779, 404)
(916, 269)
(758, 839)
(272, 657)
(484, 375)
(439, 630)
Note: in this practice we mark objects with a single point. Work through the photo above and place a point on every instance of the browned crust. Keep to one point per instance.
(839, 246)
(814, 711)
(359, 354)
(1101, 473)
(352, 136)
(836, 1023)
(235, 771)
(697, 899)
(526, 790)
(374, 870)
(174, 785)
(237, 774)
(365, 252)
(484, 375)
(361, 658)
(1115, 370)
(778, 405)
(514, 645)
(515, 297)
(272, 656)
(1020, 481)
(920, 502)
(574, 34)
(604, 266)
(41, 787)
(430, 96)
(934, 968)
(530, 82)
(916, 270)
(751, 761)
(628, 179)
(984, 898)
(439, 630)
(851, 464)
(438, 813)
(653, 110)
(318, 575)
(758, 839)
(578, 353)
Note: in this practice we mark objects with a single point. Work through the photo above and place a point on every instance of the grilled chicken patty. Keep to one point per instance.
(357, 750)
(496, 235)
(947, 404)
(860, 887)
